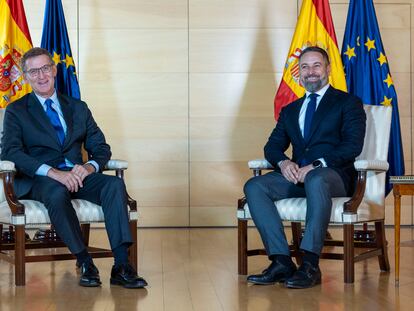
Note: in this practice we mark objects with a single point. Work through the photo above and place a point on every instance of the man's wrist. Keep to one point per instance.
(280, 163)
(90, 168)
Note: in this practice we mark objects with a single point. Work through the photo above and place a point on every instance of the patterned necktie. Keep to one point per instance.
(54, 119)
(310, 110)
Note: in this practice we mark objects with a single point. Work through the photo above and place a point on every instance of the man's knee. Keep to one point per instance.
(253, 186)
(315, 179)
(115, 184)
(57, 195)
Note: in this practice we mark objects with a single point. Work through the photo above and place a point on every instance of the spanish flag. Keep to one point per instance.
(14, 42)
(314, 28)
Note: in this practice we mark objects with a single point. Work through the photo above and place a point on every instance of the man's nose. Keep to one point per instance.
(41, 74)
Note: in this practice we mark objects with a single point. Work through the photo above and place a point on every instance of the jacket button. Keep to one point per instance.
(307, 149)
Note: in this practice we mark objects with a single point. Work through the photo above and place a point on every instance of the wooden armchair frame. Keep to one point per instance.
(15, 253)
(371, 166)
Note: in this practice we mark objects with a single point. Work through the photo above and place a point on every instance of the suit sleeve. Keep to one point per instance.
(278, 143)
(95, 144)
(12, 147)
(352, 134)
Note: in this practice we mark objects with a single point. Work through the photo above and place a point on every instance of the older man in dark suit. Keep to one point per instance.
(326, 130)
(43, 135)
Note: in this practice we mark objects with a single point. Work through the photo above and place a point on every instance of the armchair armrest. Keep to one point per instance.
(363, 166)
(257, 165)
(260, 164)
(7, 171)
(6, 166)
(116, 164)
(371, 165)
(119, 166)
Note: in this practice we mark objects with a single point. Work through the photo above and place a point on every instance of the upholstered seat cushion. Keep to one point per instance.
(36, 213)
(294, 209)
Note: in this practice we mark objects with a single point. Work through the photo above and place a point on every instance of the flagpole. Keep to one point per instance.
(77, 38)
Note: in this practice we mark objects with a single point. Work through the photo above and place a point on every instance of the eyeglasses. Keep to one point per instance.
(34, 72)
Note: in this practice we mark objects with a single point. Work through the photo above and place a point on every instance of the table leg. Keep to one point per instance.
(397, 219)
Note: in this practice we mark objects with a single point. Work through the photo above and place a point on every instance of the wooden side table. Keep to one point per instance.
(402, 185)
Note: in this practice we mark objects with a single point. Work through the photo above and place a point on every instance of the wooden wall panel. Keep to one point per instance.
(133, 50)
(242, 14)
(238, 50)
(232, 94)
(134, 76)
(127, 14)
(184, 90)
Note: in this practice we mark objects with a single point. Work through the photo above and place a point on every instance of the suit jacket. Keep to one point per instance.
(337, 134)
(29, 139)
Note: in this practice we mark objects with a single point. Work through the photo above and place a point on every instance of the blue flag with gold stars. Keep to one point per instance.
(368, 74)
(55, 39)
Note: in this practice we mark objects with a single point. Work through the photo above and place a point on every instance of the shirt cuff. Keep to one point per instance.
(323, 162)
(42, 170)
(280, 162)
(94, 164)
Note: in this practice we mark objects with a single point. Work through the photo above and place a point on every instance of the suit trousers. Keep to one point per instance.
(319, 186)
(107, 191)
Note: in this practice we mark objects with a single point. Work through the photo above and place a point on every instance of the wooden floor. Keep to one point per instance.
(196, 269)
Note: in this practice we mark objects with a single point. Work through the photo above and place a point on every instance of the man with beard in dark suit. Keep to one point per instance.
(44, 132)
(326, 130)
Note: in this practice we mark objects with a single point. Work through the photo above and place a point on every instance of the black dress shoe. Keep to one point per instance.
(126, 276)
(275, 273)
(89, 275)
(306, 276)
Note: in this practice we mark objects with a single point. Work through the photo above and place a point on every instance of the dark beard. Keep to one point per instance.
(314, 86)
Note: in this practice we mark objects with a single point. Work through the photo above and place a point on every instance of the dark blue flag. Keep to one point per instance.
(368, 73)
(55, 39)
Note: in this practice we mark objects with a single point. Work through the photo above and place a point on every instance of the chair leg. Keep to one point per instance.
(242, 246)
(85, 232)
(19, 256)
(349, 253)
(381, 243)
(296, 235)
(133, 249)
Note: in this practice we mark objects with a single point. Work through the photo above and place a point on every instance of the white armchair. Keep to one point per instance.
(366, 205)
(23, 214)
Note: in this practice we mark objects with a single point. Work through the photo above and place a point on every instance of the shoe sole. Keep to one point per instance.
(116, 282)
(318, 282)
(90, 285)
(264, 283)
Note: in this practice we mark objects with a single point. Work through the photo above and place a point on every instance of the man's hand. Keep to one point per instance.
(303, 171)
(71, 181)
(83, 170)
(290, 171)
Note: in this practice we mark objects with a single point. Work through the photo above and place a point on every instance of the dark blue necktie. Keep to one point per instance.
(54, 119)
(310, 110)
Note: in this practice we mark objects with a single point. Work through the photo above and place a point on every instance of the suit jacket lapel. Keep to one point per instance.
(323, 108)
(294, 120)
(39, 115)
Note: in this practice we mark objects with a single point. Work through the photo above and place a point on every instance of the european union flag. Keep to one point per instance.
(55, 39)
(368, 74)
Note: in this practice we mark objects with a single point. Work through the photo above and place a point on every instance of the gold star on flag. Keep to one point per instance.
(350, 52)
(388, 80)
(56, 58)
(370, 44)
(69, 61)
(387, 101)
(382, 59)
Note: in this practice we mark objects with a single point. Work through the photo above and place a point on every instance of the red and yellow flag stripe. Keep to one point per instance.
(314, 27)
(14, 42)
